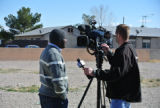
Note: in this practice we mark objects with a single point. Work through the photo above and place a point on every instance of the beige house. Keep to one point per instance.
(43, 34)
(140, 37)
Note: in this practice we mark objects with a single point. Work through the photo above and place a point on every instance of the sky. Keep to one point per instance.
(69, 12)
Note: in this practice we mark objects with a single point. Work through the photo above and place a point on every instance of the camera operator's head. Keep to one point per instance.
(122, 33)
(57, 37)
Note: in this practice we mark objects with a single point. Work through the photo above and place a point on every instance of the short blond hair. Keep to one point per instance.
(123, 30)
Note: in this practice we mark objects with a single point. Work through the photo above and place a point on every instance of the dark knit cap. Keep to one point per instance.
(57, 36)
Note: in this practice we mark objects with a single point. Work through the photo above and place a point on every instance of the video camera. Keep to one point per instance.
(93, 37)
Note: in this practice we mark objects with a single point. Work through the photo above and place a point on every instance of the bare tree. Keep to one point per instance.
(101, 15)
(110, 19)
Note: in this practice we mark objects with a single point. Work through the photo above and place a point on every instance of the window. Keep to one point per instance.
(70, 30)
(146, 43)
(133, 42)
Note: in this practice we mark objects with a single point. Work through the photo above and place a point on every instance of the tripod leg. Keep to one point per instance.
(104, 101)
(98, 93)
(85, 92)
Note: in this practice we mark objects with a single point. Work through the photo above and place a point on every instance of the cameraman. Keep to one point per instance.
(123, 79)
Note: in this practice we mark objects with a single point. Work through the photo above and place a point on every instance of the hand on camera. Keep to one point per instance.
(105, 47)
(88, 71)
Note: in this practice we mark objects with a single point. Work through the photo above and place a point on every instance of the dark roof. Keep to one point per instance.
(145, 32)
(41, 31)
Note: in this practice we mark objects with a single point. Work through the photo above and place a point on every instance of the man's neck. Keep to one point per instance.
(122, 42)
(56, 46)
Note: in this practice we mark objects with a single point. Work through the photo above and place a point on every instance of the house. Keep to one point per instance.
(43, 34)
(141, 37)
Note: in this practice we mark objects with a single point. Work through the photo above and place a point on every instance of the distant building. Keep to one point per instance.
(43, 34)
(139, 37)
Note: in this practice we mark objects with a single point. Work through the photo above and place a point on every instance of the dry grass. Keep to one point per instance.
(150, 82)
(154, 61)
(9, 70)
(32, 89)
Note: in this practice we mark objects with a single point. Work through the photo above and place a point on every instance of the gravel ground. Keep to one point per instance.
(25, 73)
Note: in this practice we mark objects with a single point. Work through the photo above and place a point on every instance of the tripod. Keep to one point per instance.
(99, 60)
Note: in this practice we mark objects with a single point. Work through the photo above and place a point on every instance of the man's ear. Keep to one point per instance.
(118, 35)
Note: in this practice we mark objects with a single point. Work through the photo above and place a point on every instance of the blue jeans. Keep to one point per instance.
(116, 103)
(50, 102)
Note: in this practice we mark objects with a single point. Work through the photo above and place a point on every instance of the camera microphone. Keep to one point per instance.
(80, 63)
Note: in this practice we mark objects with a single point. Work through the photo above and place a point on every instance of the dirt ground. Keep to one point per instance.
(25, 73)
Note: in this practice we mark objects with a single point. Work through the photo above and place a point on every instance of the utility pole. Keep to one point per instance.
(123, 19)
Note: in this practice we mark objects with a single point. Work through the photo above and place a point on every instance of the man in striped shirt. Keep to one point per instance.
(53, 77)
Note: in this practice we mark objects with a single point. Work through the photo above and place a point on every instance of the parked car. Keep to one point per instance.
(32, 46)
(12, 46)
